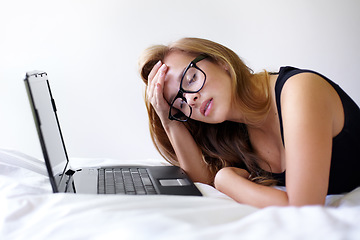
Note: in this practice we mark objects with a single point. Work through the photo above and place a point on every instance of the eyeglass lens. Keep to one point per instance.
(180, 109)
(193, 80)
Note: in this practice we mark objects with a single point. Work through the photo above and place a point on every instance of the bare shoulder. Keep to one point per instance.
(309, 85)
(310, 94)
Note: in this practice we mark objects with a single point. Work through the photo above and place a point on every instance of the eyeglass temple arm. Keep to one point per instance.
(199, 58)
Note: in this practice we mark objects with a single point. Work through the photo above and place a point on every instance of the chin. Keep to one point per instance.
(217, 118)
(213, 120)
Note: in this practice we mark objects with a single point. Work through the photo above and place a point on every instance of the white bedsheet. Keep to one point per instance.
(29, 210)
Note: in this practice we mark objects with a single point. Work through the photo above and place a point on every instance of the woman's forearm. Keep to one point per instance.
(188, 153)
(234, 183)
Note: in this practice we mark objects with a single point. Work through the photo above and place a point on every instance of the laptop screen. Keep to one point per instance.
(47, 124)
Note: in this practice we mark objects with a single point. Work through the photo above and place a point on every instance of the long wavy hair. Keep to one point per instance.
(224, 144)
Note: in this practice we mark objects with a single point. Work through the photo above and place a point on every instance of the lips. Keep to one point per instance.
(205, 107)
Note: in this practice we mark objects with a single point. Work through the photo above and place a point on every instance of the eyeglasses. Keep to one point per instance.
(192, 81)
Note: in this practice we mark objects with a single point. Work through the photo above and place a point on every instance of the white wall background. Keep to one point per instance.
(90, 49)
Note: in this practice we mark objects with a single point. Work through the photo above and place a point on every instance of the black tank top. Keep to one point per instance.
(345, 159)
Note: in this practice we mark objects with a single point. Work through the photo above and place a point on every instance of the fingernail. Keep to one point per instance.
(158, 63)
(163, 67)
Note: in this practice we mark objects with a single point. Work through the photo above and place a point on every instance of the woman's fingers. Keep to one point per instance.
(155, 88)
(158, 85)
(154, 71)
(161, 72)
(151, 76)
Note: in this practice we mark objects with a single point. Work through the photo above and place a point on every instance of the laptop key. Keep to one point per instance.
(101, 181)
(150, 189)
(147, 181)
(109, 182)
(141, 192)
(119, 182)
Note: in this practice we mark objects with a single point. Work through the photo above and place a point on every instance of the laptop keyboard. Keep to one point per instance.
(134, 181)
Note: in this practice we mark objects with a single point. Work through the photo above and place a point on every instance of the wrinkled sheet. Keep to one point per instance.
(29, 210)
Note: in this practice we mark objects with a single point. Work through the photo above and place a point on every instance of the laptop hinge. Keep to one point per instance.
(69, 185)
(70, 172)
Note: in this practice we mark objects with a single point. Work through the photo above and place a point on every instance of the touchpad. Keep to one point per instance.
(174, 182)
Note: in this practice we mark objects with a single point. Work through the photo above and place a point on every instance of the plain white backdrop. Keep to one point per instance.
(90, 49)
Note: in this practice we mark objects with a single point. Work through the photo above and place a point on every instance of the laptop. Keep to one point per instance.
(134, 180)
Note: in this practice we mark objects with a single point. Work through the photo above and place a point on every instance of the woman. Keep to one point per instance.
(243, 132)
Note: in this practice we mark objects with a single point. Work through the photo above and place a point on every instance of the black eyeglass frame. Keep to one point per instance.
(181, 91)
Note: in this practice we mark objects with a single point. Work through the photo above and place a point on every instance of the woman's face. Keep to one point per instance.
(212, 104)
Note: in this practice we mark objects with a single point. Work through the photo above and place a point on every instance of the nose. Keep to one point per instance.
(192, 98)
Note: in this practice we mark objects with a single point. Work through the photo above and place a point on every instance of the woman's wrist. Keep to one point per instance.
(170, 124)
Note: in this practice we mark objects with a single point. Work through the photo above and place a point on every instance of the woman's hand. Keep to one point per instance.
(155, 91)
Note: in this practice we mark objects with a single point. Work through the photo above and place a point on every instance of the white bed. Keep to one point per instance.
(29, 210)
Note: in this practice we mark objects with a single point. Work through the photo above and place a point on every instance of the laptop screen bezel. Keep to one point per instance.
(56, 179)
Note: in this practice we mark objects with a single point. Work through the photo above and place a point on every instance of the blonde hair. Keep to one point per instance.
(223, 144)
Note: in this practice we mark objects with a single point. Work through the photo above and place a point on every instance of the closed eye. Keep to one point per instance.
(181, 104)
(193, 79)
